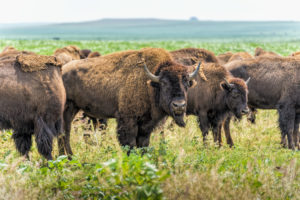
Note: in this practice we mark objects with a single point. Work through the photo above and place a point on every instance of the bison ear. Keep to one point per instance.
(192, 83)
(226, 86)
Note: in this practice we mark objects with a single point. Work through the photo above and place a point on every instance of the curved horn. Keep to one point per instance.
(193, 74)
(227, 83)
(150, 75)
(247, 81)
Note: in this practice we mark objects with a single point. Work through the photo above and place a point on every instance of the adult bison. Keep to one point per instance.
(32, 99)
(216, 96)
(69, 53)
(275, 84)
(224, 57)
(191, 56)
(138, 88)
(261, 52)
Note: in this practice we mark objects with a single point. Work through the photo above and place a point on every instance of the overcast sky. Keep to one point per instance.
(19, 11)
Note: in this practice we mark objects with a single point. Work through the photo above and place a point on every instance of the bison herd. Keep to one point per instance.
(41, 95)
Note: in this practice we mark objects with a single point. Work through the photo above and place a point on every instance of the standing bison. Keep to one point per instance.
(275, 84)
(216, 95)
(212, 100)
(138, 88)
(32, 99)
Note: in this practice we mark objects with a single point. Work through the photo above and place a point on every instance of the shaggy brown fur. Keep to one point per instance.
(224, 57)
(94, 54)
(192, 56)
(274, 85)
(33, 62)
(8, 49)
(116, 86)
(31, 103)
(240, 56)
(296, 54)
(67, 54)
(260, 52)
(212, 100)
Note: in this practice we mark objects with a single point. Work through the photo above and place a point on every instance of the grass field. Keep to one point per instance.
(176, 165)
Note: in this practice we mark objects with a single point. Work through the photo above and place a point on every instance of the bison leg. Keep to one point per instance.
(127, 131)
(252, 115)
(296, 131)
(227, 131)
(144, 132)
(286, 123)
(204, 126)
(23, 142)
(220, 134)
(43, 138)
(64, 140)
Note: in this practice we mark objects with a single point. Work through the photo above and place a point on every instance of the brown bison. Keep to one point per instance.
(138, 88)
(260, 52)
(191, 56)
(216, 95)
(32, 99)
(296, 54)
(275, 84)
(94, 54)
(224, 57)
(240, 56)
(69, 53)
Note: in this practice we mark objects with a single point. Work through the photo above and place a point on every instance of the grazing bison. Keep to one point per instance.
(191, 56)
(260, 52)
(138, 88)
(275, 84)
(32, 99)
(224, 57)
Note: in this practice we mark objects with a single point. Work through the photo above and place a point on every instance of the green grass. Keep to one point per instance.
(176, 165)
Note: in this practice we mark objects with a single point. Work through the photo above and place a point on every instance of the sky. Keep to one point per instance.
(32, 11)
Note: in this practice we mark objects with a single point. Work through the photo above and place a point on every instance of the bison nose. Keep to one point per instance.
(245, 111)
(179, 104)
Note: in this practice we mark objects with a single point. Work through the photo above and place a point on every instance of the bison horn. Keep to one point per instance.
(150, 75)
(247, 81)
(227, 83)
(193, 74)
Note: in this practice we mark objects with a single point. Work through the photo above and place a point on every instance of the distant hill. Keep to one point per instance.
(153, 29)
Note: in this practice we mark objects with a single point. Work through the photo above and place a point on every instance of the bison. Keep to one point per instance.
(69, 53)
(275, 84)
(216, 95)
(224, 57)
(138, 88)
(32, 99)
(191, 56)
(260, 52)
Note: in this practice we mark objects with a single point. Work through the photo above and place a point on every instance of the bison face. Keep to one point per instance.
(236, 96)
(171, 83)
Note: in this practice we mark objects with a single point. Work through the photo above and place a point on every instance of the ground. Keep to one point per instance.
(176, 165)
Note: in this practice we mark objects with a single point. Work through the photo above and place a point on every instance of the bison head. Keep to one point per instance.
(171, 82)
(236, 96)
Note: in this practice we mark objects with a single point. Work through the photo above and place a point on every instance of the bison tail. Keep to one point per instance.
(44, 138)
